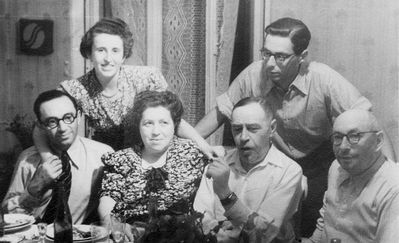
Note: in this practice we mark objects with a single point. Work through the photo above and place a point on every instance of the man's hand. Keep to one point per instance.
(219, 171)
(45, 175)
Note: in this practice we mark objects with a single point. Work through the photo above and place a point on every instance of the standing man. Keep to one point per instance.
(32, 186)
(362, 200)
(306, 97)
(254, 191)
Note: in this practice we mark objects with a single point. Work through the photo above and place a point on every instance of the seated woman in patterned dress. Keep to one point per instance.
(160, 167)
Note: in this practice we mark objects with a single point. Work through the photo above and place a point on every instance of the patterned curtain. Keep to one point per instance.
(183, 57)
(134, 13)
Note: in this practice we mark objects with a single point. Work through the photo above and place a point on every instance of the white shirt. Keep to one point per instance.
(86, 169)
(271, 189)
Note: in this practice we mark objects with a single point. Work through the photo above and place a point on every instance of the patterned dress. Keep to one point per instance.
(132, 186)
(107, 116)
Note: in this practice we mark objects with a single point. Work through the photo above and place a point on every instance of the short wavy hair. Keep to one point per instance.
(257, 100)
(112, 26)
(51, 95)
(295, 29)
(148, 99)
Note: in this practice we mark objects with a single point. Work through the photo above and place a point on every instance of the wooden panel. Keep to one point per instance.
(23, 77)
(359, 39)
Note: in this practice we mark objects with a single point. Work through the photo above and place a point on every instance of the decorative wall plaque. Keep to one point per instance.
(35, 36)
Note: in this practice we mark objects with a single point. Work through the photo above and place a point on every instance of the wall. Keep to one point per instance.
(359, 39)
(24, 77)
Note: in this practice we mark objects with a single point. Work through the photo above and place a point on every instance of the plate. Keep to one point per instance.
(17, 221)
(102, 233)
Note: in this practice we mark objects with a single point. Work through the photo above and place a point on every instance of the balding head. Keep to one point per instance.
(357, 140)
(358, 119)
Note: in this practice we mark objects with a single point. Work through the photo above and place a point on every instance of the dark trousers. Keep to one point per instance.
(315, 167)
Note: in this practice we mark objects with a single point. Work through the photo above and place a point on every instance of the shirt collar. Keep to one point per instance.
(270, 158)
(300, 82)
(75, 152)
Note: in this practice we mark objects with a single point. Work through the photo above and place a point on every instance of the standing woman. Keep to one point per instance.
(107, 92)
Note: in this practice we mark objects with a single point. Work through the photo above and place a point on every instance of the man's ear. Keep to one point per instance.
(78, 116)
(380, 140)
(38, 124)
(273, 126)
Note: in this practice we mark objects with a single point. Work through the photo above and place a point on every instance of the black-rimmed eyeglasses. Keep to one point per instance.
(53, 122)
(353, 138)
(279, 57)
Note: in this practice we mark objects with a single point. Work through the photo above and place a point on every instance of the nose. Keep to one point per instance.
(155, 130)
(244, 135)
(345, 145)
(271, 61)
(107, 56)
(62, 126)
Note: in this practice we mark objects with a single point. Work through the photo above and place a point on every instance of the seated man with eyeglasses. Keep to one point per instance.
(34, 180)
(306, 97)
(361, 203)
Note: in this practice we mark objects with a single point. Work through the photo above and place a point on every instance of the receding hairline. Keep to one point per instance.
(359, 117)
(260, 102)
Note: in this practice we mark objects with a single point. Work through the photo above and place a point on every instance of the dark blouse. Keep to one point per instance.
(132, 186)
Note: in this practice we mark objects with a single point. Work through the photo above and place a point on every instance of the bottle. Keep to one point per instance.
(2, 222)
(335, 240)
(63, 218)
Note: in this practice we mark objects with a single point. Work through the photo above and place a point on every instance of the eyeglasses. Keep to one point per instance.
(353, 138)
(53, 122)
(279, 57)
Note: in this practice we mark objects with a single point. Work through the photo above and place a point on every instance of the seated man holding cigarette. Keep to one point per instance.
(251, 193)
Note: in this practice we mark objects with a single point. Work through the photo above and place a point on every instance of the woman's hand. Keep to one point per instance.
(214, 152)
(41, 142)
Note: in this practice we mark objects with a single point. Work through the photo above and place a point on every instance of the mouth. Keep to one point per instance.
(245, 149)
(63, 138)
(344, 158)
(274, 75)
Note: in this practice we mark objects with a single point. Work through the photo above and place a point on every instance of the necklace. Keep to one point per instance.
(106, 95)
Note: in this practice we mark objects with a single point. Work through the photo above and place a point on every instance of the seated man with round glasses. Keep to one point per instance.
(361, 203)
(31, 189)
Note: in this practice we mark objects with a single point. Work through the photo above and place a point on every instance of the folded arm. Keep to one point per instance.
(30, 187)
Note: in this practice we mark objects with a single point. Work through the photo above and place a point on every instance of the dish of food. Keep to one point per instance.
(81, 233)
(17, 221)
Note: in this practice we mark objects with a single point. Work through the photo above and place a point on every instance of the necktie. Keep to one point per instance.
(57, 210)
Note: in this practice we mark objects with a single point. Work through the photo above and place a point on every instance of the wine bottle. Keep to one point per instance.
(63, 218)
(2, 222)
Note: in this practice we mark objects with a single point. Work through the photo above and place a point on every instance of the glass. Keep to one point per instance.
(53, 122)
(353, 138)
(42, 229)
(279, 57)
(100, 231)
(117, 228)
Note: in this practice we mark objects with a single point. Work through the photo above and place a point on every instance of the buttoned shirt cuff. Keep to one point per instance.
(224, 105)
(239, 213)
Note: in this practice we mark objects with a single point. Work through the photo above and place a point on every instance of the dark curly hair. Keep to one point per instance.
(148, 99)
(295, 29)
(112, 26)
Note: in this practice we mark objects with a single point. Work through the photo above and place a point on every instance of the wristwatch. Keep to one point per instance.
(230, 199)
